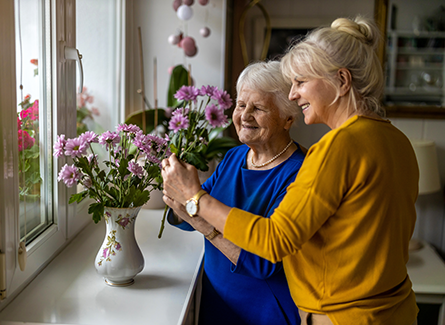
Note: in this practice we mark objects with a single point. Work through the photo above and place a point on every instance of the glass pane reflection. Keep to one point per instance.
(31, 118)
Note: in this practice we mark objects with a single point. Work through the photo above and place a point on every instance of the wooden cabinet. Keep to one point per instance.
(415, 68)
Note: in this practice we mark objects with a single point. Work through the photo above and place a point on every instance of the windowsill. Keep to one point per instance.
(69, 291)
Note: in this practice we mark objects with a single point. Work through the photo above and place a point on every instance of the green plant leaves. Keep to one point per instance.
(97, 209)
(178, 78)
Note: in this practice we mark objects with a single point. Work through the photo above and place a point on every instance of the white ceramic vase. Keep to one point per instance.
(119, 258)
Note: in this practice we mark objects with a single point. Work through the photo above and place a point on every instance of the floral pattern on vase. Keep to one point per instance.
(119, 258)
(110, 249)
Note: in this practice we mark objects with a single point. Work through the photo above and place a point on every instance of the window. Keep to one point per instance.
(33, 117)
(34, 207)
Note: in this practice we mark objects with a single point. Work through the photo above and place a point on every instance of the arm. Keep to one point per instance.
(230, 250)
(181, 182)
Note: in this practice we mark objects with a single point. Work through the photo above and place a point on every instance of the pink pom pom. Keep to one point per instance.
(188, 43)
(176, 4)
(173, 39)
(205, 32)
(191, 51)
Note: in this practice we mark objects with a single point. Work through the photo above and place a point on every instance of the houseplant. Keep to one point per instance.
(28, 141)
(118, 188)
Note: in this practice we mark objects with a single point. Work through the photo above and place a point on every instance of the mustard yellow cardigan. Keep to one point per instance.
(343, 228)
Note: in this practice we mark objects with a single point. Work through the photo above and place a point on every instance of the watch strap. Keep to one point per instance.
(198, 195)
(213, 234)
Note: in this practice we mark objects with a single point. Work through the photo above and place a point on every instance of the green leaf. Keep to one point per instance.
(196, 160)
(178, 78)
(218, 147)
(174, 149)
(123, 168)
(141, 198)
(78, 197)
(97, 209)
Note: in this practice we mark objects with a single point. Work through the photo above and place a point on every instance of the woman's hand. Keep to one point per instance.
(181, 181)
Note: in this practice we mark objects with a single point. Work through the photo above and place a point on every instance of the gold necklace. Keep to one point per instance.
(273, 158)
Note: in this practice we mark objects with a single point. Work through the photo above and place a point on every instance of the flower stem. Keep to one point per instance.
(163, 222)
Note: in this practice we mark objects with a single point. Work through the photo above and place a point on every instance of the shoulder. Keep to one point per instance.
(233, 156)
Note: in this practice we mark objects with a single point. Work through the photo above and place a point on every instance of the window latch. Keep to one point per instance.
(22, 256)
(73, 54)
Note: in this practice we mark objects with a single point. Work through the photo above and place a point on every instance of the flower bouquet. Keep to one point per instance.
(195, 125)
(196, 122)
(125, 179)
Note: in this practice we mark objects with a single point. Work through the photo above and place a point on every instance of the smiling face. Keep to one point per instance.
(315, 97)
(257, 119)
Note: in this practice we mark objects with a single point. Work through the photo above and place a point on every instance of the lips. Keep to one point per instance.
(249, 127)
(305, 106)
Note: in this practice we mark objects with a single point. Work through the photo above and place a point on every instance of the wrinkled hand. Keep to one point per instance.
(181, 181)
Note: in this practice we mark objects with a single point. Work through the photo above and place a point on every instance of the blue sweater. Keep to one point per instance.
(255, 290)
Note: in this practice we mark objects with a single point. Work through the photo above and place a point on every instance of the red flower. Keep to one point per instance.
(25, 140)
(32, 112)
(19, 123)
(35, 61)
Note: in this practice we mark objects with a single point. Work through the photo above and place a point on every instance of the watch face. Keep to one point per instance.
(191, 207)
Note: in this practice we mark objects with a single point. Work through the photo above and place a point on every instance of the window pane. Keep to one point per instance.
(33, 118)
(97, 38)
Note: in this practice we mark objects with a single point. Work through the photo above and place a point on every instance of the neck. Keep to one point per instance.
(266, 160)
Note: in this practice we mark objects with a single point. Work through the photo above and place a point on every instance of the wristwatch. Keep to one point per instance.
(192, 206)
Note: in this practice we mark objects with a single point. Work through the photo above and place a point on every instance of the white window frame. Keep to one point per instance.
(62, 96)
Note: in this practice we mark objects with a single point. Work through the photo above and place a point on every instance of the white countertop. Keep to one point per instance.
(69, 291)
(427, 271)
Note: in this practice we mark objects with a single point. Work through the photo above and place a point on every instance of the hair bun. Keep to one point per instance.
(362, 29)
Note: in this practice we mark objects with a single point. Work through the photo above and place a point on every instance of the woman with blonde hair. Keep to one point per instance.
(343, 228)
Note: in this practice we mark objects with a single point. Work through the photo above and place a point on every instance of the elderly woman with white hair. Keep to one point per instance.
(239, 287)
(342, 231)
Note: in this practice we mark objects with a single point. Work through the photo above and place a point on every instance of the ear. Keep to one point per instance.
(289, 122)
(345, 78)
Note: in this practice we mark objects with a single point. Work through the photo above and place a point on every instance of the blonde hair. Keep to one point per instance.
(346, 44)
(267, 78)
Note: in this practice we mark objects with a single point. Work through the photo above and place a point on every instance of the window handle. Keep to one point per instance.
(73, 54)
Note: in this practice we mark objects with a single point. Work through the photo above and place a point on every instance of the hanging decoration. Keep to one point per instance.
(184, 11)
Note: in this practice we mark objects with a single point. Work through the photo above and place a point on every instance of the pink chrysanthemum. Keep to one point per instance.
(59, 146)
(223, 98)
(70, 175)
(109, 139)
(178, 122)
(136, 169)
(187, 93)
(207, 90)
(128, 128)
(215, 116)
(76, 147)
(183, 111)
(90, 137)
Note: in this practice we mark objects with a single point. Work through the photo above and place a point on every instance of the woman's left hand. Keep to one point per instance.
(181, 181)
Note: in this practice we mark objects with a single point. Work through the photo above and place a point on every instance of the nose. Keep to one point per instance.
(293, 94)
(246, 114)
